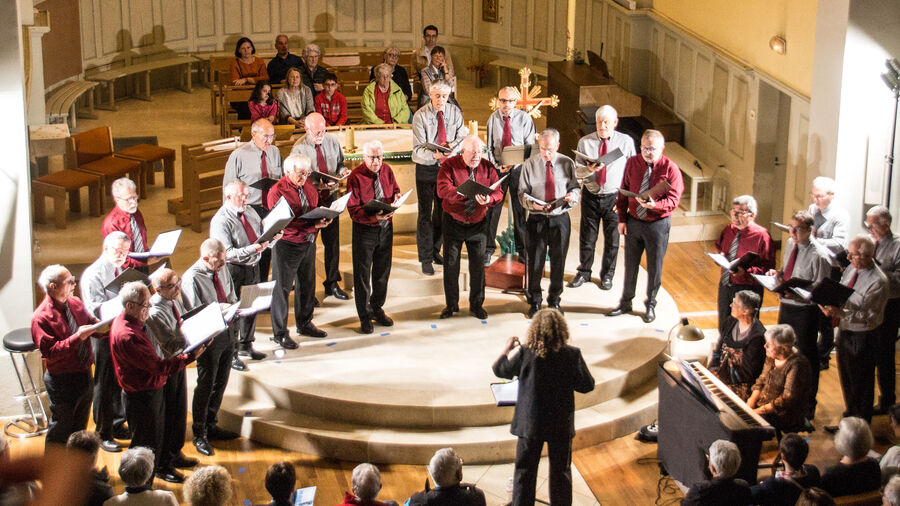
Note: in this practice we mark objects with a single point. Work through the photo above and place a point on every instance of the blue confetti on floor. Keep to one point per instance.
(331, 343)
(584, 324)
(433, 326)
(248, 502)
(484, 322)
(660, 330)
(248, 413)
(383, 334)
(242, 469)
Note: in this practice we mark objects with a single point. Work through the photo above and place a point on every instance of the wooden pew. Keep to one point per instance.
(228, 119)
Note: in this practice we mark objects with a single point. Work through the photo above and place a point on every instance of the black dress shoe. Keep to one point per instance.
(438, 259)
(237, 364)
(109, 445)
(555, 306)
(216, 433)
(182, 461)
(251, 353)
(203, 447)
(170, 475)
(478, 312)
(579, 280)
(312, 331)
(606, 284)
(365, 326)
(447, 312)
(337, 293)
(619, 310)
(382, 319)
(488, 260)
(649, 315)
(427, 269)
(285, 342)
(533, 309)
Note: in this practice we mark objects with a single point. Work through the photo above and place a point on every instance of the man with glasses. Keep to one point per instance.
(645, 223)
(126, 218)
(60, 327)
(743, 235)
(464, 222)
(803, 258)
(109, 410)
(373, 235)
(282, 61)
(423, 55)
(507, 126)
(398, 72)
(312, 74)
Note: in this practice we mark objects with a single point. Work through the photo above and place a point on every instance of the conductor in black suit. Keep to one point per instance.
(549, 373)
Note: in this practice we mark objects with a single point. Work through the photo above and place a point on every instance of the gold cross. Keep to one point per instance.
(527, 97)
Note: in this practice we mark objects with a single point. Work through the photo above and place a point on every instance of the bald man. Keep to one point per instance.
(324, 150)
(464, 222)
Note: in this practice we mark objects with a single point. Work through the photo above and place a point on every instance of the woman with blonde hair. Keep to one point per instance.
(550, 372)
(295, 99)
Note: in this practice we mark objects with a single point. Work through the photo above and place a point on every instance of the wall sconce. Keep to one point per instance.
(778, 44)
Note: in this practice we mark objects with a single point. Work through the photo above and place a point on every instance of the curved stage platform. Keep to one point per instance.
(399, 394)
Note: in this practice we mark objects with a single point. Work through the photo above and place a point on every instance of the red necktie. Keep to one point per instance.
(220, 292)
(320, 160)
(549, 184)
(264, 166)
(789, 268)
(601, 174)
(177, 314)
(251, 235)
(507, 133)
(441, 129)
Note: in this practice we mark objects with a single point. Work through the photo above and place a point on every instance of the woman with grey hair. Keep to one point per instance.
(398, 72)
(740, 353)
(723, 488)
(136, 470)
(366, 483)
(312, 73)
(856, 472)
(891, 496)
(208, 486)
(781, 391)
(445, 470)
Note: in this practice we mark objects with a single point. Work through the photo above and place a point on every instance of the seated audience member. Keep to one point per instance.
(366, 483)
(438, 69)
(785, 486)
(89, 443)
(313, 74)
(332, 104)
(890, 462)
(814, 497)
(208, 486)
(25, 491)
(262, 104)
(445, 469)
(399, 75)
(891, 496)
(740, 352)
(780, 392)
(723, 488)
(280, 481)
(856, 472)
(283, 60)
(136, 471)
(383, 101)
(245, 70)
(295, 100)
(64, 477)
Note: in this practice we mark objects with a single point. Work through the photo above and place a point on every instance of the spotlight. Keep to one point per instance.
(778, 44)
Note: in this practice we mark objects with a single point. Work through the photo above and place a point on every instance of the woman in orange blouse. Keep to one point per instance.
(246, 69)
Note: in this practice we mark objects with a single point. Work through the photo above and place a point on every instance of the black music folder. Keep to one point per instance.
(376, 206)
(657, 190)
(276, 220)
(470, 188)
(264, 184)
(127, 276)
(827, 293)
(771, 283)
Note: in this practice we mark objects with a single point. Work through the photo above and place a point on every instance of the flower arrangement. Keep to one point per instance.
(479, 68)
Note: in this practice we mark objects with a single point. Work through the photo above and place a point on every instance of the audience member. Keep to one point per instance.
(136, 471)
(89, 443)
(283, 61)
(740, 353)
(24, 490)
(313, 75)
(814, 497)
(856, 472)
(398, 72)
(366, 483)
(550, 372)
(887, 254)
(246, 69)
(332, 104)
(446, 471)
(65, 477)
(208, 486)
(280, 481)
(383, 100)
(262, 104)
(423, 54)
(779, 394)
(784, 487)
(126, 218)
(891, 496)
(890, 462)
(723, 489)
(295, 99)
(435, 71)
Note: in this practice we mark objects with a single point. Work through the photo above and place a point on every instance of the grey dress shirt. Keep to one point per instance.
(864, 310)
(590, 145)
(197, 286)
(295, 105)
(812, 264)
(334, 155)
(244, 164)
(226, 226)
(887, 252)
(831, 226)
(533, 176)
(521, 127)
(93, 282)
(163, 326)
(424, 126)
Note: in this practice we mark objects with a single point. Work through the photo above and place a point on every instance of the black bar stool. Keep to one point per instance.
(19, 342)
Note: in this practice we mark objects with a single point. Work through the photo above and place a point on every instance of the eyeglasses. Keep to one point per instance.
(145, 305)
(170, 286)
(130, 200)
(793, 228)
(649, 149)
(268, 136)
(819, 196)
(735, 212)
(71, 281)
(507, 100)
(373, 157)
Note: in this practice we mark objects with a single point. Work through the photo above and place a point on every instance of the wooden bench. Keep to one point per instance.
(229, 121)
(109, 77)
(63, 102)
(59, 184)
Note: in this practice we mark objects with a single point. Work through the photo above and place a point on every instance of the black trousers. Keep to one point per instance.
(510, 185)
(826, 331)
(70, 404)
(428, 223)
(243, 275)
(885, 364)
(528, 455)
(109, 407)
(331, 241)
(805, 322)
(546, 234)
(174, 418)
(726, 295)
(597, 210)
(265, 258)
(473, 235)
(373, 248)
(856, 366)
(641, 236)
(146, 419)
(294, 268)
(213, 369)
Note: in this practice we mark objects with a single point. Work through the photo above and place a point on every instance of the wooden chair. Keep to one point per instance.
(872, 498)
(149, 154)
(92, 151)
(59, 184)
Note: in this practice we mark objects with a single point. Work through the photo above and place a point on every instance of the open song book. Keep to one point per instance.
(657, 190)
(329, 213)
(276, 220)
(742, 262)
(470, 188)
(376, 206)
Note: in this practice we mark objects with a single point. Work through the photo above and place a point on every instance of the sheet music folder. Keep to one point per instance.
(743, 262)
(263, 184)
(163, 246)
(515, 155)
(506, 393)
(202, 326)
(771, 284)
(657, 190)
(276, 220)
(329, 213)
(375, 206)
(827, 293)
(470, 188)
